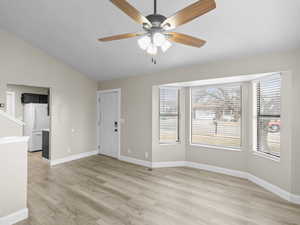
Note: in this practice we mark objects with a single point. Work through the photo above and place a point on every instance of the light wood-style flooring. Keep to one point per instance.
(102, 191)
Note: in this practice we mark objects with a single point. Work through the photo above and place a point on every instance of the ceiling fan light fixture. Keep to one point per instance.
(155, 33)
(144, 42)
(158, 38)
(166, 45)
(152, 49)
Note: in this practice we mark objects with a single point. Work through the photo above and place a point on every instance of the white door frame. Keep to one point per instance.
(118, 91)
(13, 104)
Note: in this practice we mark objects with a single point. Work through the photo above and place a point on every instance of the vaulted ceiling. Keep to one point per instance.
(68, 30)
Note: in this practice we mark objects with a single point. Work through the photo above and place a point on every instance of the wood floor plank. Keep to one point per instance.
(103, 191)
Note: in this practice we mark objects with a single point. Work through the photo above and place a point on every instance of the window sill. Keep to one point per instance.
(216, 147)
(167, 144)
(267, 156)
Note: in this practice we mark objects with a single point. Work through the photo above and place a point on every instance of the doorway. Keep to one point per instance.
(109, 129)
(32, 105)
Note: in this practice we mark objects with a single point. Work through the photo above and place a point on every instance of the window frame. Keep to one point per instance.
(241, 120)
(171, 115)
(259, 116)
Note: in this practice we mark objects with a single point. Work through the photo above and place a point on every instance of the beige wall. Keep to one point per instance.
(73, 95)
(19, 90)
(13, 173)
(9, 127)
(137, 109)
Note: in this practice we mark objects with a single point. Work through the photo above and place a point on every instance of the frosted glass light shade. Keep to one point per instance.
(144, 42)
(166, 45)
(152, 49)
(159, 39)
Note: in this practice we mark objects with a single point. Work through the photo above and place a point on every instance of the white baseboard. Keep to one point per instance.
(135, 161)
(168, 164)
(14, 217)
(295, 199)
(274, 189)
(236, 173)
(72, 157)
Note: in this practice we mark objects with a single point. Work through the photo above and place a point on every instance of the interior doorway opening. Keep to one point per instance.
(32, 105)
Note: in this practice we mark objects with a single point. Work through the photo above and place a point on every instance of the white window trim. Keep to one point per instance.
(240, 148)
(254, 115)
(216, 147)
(266, 155)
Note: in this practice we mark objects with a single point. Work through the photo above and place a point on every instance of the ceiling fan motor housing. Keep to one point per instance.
(156, 20)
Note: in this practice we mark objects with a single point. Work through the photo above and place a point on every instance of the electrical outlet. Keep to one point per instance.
(69, 150)
(146, 155)
(129, 150)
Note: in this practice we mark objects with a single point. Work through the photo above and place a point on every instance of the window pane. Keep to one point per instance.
(268, 115)
(168, 129)
(269, 95)
(216, 116)
(269, 135)
(168, 101)
(169, 115)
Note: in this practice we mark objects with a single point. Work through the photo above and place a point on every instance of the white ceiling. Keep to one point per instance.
(68, 30)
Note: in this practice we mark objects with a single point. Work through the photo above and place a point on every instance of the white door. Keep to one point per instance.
(108, 122)
(10, 103)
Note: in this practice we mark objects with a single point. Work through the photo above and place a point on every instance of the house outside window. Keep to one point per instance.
(268, 122)
(169, 115)
(216, 115)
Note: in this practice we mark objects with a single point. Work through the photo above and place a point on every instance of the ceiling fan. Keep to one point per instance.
(157, 27)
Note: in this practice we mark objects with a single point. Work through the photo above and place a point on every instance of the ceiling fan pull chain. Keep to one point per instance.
(153, 61)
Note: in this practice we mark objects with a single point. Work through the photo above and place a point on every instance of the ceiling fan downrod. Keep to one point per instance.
(155, 7)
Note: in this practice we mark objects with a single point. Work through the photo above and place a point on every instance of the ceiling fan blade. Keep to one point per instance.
(189, 13)
(131, 11)
(186, 39)
(120, 36)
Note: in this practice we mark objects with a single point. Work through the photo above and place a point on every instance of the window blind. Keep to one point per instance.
(268, 114)
(169, 115)
(216, 115)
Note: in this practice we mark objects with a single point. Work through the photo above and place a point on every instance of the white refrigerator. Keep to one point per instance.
(36, 119)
